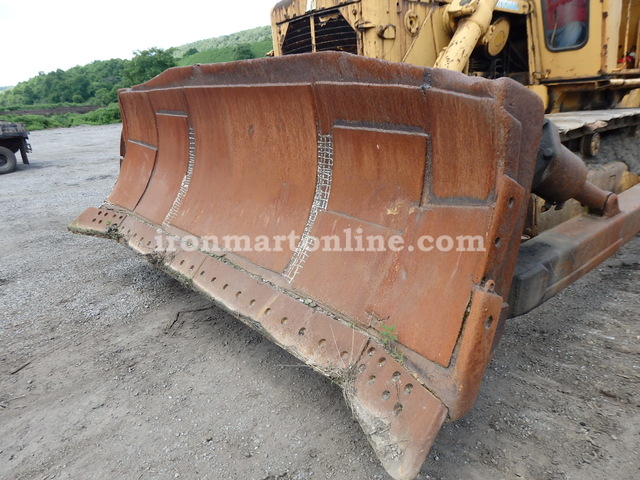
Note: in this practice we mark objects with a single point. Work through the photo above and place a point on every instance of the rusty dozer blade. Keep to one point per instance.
(364, 215)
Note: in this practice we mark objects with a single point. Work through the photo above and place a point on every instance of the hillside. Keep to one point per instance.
(240, 51)
(253, 43)
(251, 36)
(38, 101)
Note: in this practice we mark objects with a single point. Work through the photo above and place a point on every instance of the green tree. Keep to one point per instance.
(242, 51)
(146, 64)
(28, 94)
(105, 96)
(191, 51)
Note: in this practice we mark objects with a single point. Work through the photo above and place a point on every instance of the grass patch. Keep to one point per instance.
(101, 116)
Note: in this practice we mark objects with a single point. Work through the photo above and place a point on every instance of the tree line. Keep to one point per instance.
(96, 83)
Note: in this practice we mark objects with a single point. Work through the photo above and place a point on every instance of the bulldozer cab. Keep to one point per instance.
(575, 39)
(565, 41)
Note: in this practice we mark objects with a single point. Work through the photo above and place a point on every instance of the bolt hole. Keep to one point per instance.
(213, 279)
(372, 380)
(382, 361)
(100, 221)
(361, 368)
(511, 202)
(302, 331)
(488, 322)
(252, 302)
(344, 355)
(192, 267)
(94, 220)
(283, 321)
(322, 342)
(238, 294)
(397, 409)
(148, 243)
(396, 377)
(267, 311)
(181, 262)
(386, 395)
(202, 273)
(408, 388)
(224, 287)
(371, 351)
(497, 242)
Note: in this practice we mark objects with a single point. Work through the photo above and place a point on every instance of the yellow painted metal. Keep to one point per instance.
(542, 92)
(448, 33)
(496, 37)
(569, 64)
(631, 100)
(410, 32)
(469, 31)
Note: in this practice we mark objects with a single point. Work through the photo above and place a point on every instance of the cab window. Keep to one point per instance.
(565, 24)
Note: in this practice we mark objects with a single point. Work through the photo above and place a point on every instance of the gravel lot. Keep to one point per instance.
(111, 369)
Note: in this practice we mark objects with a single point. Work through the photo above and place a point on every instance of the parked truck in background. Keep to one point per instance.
(13, 139)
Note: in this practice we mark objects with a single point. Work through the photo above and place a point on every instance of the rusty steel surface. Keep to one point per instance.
(330, 148)
(613, 177)
(565, 177)
(558, 257)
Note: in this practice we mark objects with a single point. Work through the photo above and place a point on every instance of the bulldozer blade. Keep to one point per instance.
(364, 215)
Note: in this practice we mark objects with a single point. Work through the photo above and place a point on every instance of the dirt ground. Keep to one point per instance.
(111, 369)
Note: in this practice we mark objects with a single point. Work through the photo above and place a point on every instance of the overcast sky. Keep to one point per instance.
(44, 35)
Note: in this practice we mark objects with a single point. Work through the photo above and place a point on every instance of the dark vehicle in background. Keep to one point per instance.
(13, 139)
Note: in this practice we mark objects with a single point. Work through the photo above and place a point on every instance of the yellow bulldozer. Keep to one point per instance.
(382, 194)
